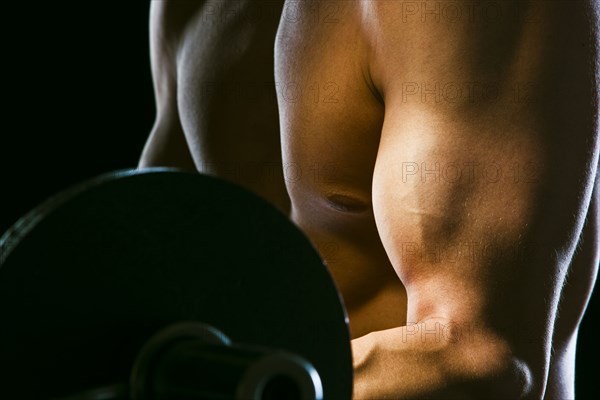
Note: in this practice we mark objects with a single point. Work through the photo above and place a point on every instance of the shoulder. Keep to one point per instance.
(462, 41)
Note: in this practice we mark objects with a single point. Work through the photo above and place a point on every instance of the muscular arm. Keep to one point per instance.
(166, 145)
(479, 197)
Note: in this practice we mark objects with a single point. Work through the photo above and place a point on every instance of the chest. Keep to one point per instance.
(330, 116)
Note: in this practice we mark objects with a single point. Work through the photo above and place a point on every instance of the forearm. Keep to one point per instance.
(435, 359)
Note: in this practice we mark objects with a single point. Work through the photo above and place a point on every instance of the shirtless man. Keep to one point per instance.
(441, 155)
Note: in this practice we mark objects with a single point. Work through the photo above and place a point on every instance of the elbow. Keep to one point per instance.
(511, 379)
(493, 371)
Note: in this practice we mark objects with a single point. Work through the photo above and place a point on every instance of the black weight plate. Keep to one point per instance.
(89, 276)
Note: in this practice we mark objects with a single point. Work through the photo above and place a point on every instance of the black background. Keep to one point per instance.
(78, 102)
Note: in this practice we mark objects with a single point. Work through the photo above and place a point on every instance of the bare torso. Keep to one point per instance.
(321, 171)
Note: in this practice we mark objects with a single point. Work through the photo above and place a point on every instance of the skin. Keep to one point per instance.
(460, 227)
(233, 94)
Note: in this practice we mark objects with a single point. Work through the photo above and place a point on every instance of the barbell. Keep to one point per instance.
(160, 284)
